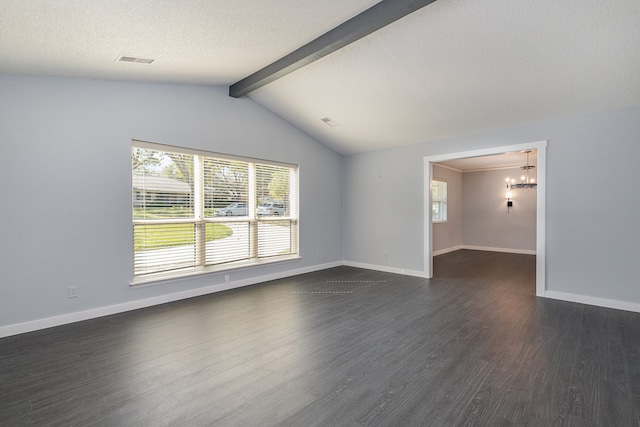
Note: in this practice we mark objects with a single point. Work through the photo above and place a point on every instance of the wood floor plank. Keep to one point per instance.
(343, 346)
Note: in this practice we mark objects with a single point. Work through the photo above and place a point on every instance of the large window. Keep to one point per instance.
(198, 211)
(438, 200)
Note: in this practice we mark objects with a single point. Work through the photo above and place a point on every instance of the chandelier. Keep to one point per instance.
(525, 180)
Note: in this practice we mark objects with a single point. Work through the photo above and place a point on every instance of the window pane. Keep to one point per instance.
(438, 201)
(163, 247)
(436, 211)
(162, 184)
(226, 188)
(435, 192)
(273, 190)
(227, 242)
(275, 238)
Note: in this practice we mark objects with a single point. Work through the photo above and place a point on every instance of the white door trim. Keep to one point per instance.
(541, 147)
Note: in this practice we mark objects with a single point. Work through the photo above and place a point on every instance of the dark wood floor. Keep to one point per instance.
(341, 347)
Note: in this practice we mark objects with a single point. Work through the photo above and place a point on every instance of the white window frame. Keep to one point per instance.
(199, 221)
(441, 202)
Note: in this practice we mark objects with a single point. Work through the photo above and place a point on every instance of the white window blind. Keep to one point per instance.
(197, 210)
(276, 198)
(439, 200)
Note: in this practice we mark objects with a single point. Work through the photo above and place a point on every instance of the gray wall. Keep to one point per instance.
(486, 222)
(66, 185)
(66, 202)
(592, 220)
(449, 234)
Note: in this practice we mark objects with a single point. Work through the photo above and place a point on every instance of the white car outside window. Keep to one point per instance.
(235, 209)
(275, 209)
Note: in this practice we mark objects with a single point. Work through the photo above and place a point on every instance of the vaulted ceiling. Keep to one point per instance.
(452, 67)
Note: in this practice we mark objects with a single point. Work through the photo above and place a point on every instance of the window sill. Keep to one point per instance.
(157, 278)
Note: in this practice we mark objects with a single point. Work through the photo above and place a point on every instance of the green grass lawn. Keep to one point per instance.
(169, 212)
(165, 212)
(158, 236)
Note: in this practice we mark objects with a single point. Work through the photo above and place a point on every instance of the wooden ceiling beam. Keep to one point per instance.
(361, 25)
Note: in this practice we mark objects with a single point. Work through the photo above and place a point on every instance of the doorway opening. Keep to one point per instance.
(540, 147)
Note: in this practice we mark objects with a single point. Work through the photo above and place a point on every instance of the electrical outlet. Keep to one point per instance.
(318, 254)
(72, 292)
(226, 278)
(386, 254)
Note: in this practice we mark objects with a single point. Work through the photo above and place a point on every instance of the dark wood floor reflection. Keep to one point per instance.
(344, 346)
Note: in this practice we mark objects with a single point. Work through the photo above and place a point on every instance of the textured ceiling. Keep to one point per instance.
(453, 67)
(459, 66)
(214, 42)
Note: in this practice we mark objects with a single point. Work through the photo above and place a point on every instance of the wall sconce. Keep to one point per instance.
(508, 196)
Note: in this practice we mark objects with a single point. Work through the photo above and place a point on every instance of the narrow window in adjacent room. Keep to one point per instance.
(439, 200)
(196, 211)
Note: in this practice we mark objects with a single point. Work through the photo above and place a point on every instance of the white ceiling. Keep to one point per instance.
(214, 42)
(511, 160)
(453, 67)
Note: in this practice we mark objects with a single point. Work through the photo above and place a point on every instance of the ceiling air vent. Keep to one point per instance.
(329, 121)
(134, 59)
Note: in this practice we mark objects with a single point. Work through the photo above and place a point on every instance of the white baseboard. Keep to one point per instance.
(63, 319)
(34, 325)
(506, 250)
(447, 250)
(385, 268)
(600, 302)
(484, 248)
